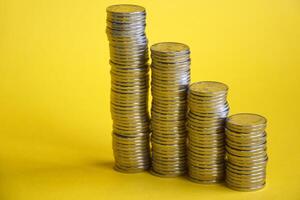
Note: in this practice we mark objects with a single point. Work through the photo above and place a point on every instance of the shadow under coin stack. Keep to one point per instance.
(129, 87)
(170, 80)
(246, 152)
(208, 109)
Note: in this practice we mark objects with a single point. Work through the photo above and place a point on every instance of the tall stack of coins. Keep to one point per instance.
(129, 87)
(246, 152)
(170, 80)
(208, 109)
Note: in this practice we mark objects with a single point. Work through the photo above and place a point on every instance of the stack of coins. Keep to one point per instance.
(246, 152)
(170, 80)
(129, 87)
(208, 109)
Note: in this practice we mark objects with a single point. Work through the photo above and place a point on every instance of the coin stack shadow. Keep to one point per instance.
(129, 87)
(169, 85)
(246, 154)
(208, 109)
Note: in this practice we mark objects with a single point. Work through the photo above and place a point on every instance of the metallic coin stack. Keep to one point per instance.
(129, 87)
(170, 80)
(208, 109)
(246, 152)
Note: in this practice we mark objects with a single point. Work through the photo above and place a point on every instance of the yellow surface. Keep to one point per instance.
(55, 124)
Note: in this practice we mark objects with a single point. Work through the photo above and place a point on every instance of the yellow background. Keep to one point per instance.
(55, 126)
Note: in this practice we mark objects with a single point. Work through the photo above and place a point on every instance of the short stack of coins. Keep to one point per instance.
(129, 87)
(170, 70)
(246, 154)
(208, 109)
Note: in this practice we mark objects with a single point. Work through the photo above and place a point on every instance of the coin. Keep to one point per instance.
(209, 88)
(246, 152)
(170, 49)
(246, 122)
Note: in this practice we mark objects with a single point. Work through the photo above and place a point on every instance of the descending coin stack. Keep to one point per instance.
(208, 109)
(170, 80)
(129, 87)
(246, 152)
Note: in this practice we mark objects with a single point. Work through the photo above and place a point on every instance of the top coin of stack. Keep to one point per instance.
(170, 80)
(129, 86)
(246, 152)
(208, 109)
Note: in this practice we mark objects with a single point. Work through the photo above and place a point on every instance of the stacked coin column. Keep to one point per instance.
(246, 152)
(129, 87)
(170, 80)
(208, 109)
